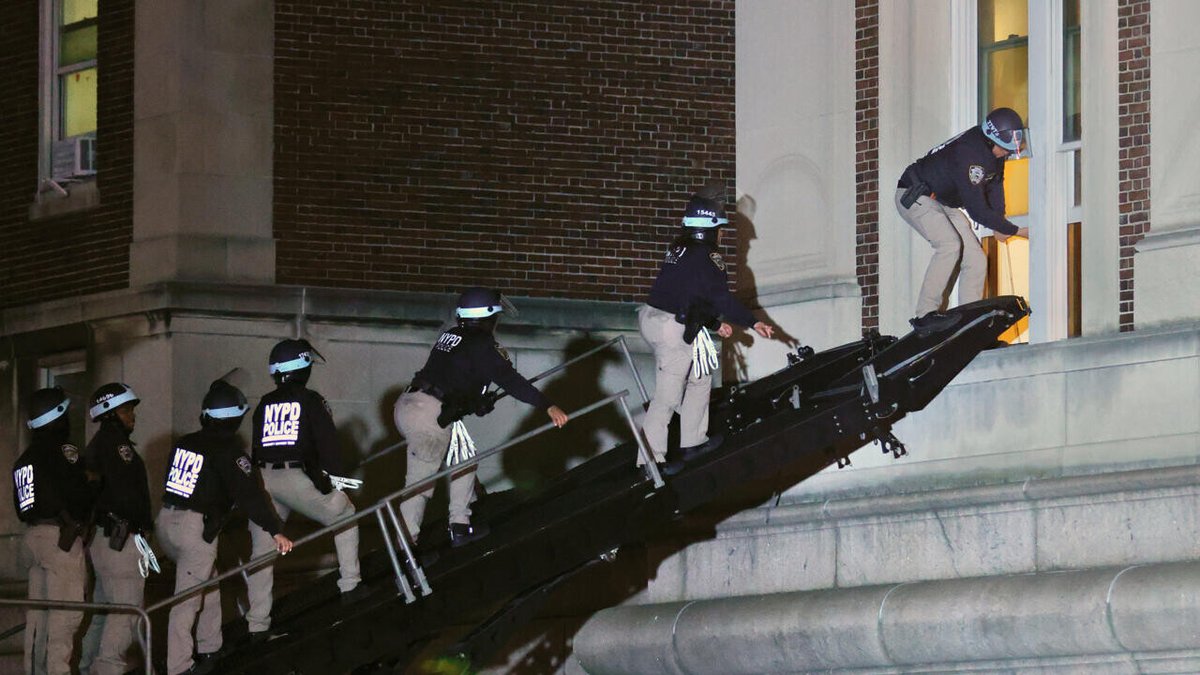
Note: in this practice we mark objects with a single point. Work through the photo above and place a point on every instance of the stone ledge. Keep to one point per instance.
(80, 196)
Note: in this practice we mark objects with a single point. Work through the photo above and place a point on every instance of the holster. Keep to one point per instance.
(912, 193)
(454, 408)
(117, 531)
(700, 314)
(213, 524)
(319, 478)
(68, 530)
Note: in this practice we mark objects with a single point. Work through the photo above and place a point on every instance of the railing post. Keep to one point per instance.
(637, 377)
(413, 565)
(147, 637)
(401, 581)
(643, 452)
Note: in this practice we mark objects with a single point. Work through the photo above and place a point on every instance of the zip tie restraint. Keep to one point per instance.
(147, 563)
(704, 354)
(462, 447)
(343, 483)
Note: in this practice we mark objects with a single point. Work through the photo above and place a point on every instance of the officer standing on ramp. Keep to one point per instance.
(52, 497)
(295, 444)
(690, 295)
(966, 171)
(463, 362)
(207, 474)
(122, 519)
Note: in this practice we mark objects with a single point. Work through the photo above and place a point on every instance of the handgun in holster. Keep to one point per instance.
(699, 314)
(68, 530)
(213, 524)
(117, 531)
(913, 193)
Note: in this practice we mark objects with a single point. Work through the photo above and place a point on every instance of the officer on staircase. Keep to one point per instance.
(690, 295)
(52, 497)
(206, 475)
(119, 549)
(295, 445)
(463, 362)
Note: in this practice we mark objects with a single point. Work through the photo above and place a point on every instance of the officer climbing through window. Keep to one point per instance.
(207, 474)
(690, 295)
(52, 497)
(463, 362)
(295, 444)
(118, 549)
(966, 171)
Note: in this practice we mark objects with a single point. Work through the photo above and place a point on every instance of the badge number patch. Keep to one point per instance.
(975, 174)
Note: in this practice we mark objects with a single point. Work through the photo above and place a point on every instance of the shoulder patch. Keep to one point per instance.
(674, 254)
(243, 463)
(503, 353)
(975, 174)
(125, 452)
(717, 260)
(70, 453)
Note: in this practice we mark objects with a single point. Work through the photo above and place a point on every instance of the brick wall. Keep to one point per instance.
(545, 146)
(1133, 111)
(81, 252)
(866, 158)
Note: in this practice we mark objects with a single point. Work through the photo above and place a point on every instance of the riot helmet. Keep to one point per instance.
(1003, 127)
(702, 217)
(479, 308)
(224, 406)
(45, 407)
(110, 397)
(292, 360)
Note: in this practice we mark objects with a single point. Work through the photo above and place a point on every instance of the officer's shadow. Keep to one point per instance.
(539, 460)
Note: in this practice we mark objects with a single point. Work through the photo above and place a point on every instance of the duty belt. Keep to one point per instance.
(426, 387)
(278, 465)
(178, 507)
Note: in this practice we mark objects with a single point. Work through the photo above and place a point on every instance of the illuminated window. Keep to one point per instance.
(1004, 81)
(70, 30)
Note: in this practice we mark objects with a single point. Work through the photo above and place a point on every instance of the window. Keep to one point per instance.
(1029, 60)
(69, 371)
(70, 30)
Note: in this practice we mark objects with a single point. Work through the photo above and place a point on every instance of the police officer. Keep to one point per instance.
(122, 513)
(207, 474)
(690, 294)
(966, 171)
(295, 444)
(463, 362)
(52, 497)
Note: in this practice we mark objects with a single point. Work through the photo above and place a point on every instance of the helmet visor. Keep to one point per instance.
(1019, 146)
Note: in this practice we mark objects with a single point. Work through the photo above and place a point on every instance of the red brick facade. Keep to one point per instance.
(866, 158)
(82, 252)
(1133, 110)
(547, 147)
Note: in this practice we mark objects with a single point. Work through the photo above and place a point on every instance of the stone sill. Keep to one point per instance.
(81, 196)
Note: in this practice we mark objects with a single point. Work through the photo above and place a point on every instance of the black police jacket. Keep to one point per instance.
(124, 492)
(209, 474)
(963, 173)
(465, 360)
(293, 424)
(49, 482)
(693, 271)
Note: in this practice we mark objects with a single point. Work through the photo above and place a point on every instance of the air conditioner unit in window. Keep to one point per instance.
(73, 157)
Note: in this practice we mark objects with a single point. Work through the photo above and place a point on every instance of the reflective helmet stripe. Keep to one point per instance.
(696, 221)
(226, 413)
(113, 403)
(297, 363)
(478, 312)
(48, 416)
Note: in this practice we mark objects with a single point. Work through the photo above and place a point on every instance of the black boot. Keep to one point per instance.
(462, 534)
(676, 460)
(934, 322)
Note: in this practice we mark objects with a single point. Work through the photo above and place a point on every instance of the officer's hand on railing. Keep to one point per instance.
(283, 544)
(764, 329)
(557, 416)
(725, 330)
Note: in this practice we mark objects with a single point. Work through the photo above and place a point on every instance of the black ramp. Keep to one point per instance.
(783, 427)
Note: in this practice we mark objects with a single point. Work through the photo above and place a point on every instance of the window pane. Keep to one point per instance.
(1016, 187)
(78, 10)
(1000, 20)
(1072, 122)
(77, 45)
(1008, 80)
(1078, 162)
(78, 92)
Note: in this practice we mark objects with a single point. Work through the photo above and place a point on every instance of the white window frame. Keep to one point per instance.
(49, 72)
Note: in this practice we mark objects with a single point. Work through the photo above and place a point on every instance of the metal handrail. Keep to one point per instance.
(620, 339)
(385, 502)
(143, 614)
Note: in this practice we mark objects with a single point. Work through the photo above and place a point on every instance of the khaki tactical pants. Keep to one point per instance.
(292, 490)
(675, 389)
(118, 580)
(181, 534)
(950, 234)
(416, 417)
(54, 574)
